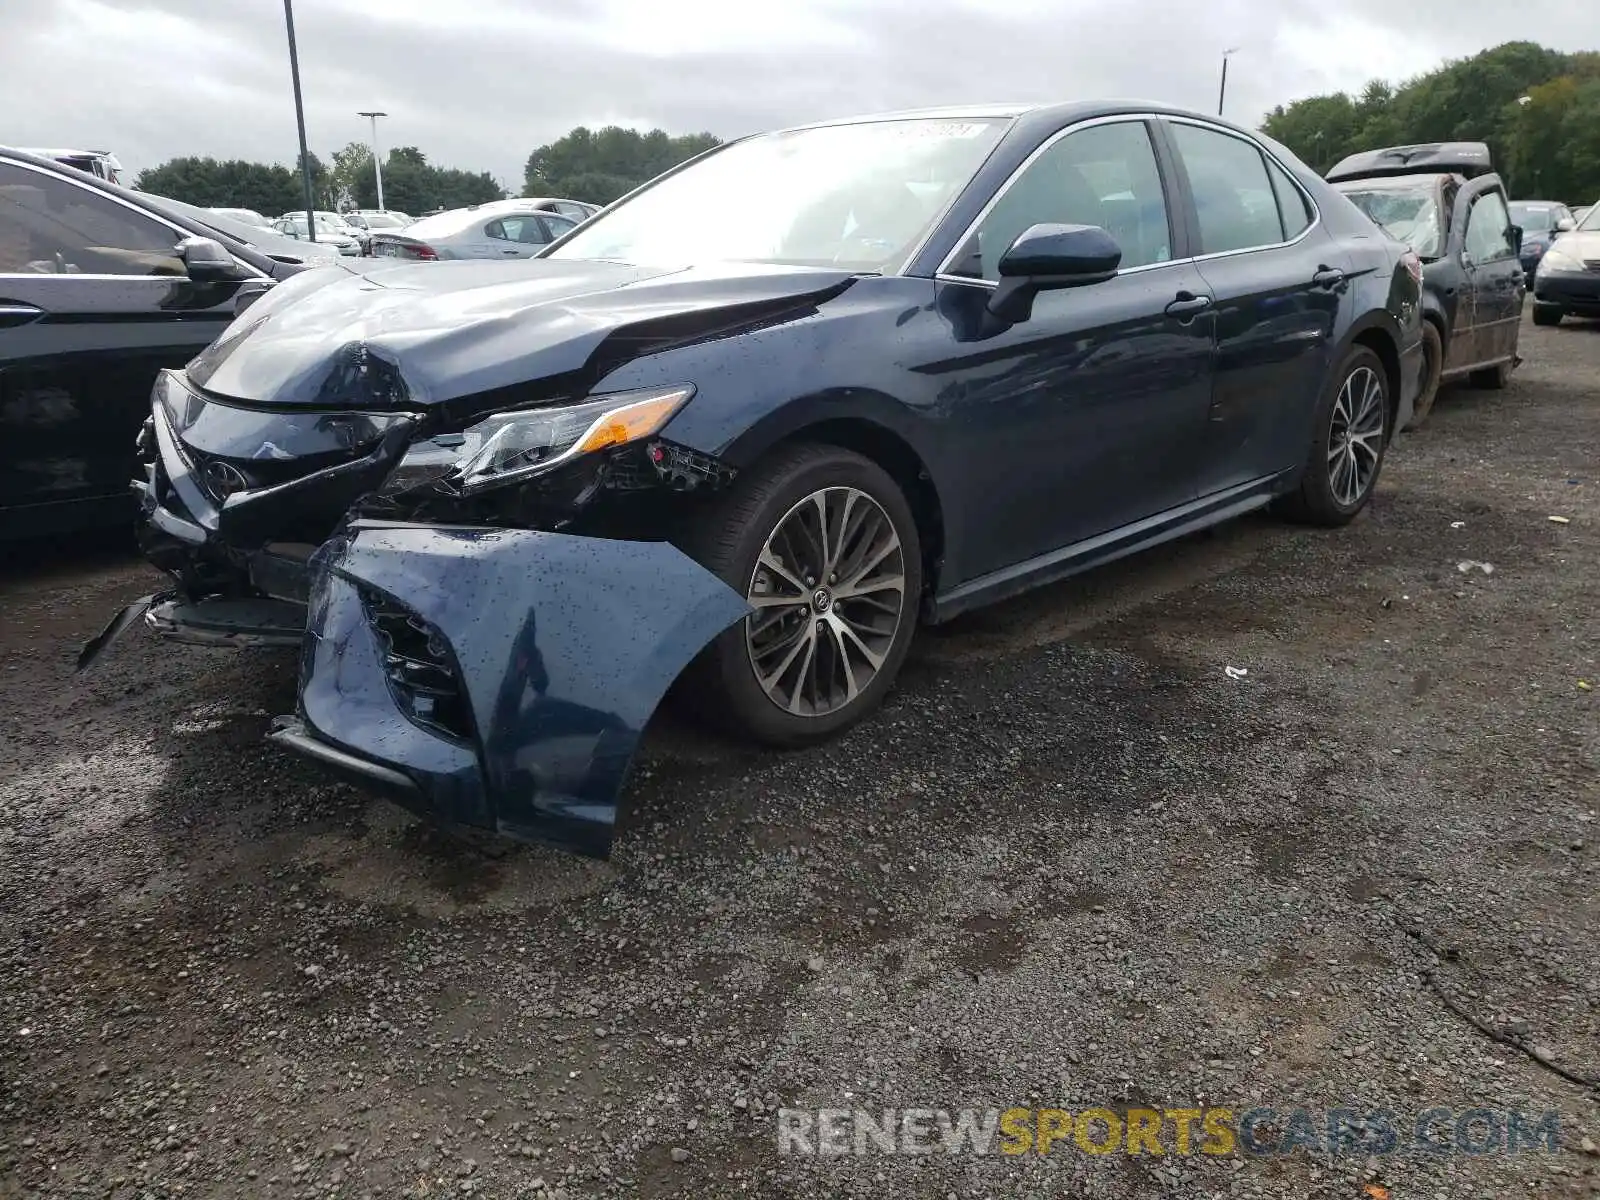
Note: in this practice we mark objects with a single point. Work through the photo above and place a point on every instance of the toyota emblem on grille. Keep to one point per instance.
(224, 479)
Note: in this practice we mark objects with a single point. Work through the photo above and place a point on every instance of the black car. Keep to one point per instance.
(921, 363)
(1445, 202)
(100, 288)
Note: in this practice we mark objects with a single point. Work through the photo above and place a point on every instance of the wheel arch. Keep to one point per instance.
(884, 445)
(1377, 333)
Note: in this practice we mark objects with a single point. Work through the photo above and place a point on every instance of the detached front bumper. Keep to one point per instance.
(497, 679)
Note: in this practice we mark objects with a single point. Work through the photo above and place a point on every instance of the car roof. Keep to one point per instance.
(1056, 113)
(1392, 183)
(458, 220)
(1467, 159)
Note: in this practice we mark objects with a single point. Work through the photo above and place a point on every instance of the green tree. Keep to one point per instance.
(349, 165)
(411, 185)
(601, 165)
(267, 188)
(1550, 144)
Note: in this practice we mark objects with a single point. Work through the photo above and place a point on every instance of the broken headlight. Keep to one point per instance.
(510, 447)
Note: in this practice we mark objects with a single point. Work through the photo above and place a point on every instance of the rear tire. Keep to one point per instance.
(1432, 367)
(844, 618)
(1547, 314)
(1347, 448)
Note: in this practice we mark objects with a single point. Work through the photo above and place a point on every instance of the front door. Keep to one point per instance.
(1495, 278)
(1279, 284)
(1083, 418)
(93, 302)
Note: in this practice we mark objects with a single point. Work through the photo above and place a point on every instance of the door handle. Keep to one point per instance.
(1328, 277)
(12, 315)
(1187, 306)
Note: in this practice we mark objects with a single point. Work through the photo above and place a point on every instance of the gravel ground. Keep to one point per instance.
(1073, 863)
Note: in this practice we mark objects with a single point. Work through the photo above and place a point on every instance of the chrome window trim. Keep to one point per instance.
(943, 269)
(946, 277)
(943, 272)
(1316, 209)
(118, 200)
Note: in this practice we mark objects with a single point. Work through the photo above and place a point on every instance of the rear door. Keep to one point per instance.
(519, 236)
(1279, 281)
(93, 302)
(1495, 278)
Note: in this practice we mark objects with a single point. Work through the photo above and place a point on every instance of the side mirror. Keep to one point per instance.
(249, 292)
(1566, 225)
(206, 261)
(1046, 257)
(1514, 232)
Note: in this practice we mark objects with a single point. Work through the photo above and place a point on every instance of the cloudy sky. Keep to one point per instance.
(479, 83)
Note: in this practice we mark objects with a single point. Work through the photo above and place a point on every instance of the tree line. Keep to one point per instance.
(1538, 110)
(593, 165)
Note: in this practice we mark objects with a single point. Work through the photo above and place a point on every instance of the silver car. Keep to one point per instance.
(499, 229)
(330, 231)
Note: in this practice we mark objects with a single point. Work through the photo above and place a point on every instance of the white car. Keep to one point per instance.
(500, 229)
(330, 229)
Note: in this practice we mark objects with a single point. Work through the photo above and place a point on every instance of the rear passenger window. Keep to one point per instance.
(1293, 207)
(1233, 196)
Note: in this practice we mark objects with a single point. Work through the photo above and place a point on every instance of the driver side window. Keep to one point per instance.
(1488, 223)
(1104, 175)
(52, 227)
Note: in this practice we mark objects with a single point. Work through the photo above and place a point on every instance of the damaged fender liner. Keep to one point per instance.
(526, 667)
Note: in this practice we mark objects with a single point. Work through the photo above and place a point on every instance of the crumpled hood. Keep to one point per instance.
(425, 333)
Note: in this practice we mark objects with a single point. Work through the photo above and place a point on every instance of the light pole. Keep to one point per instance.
(300, 120)
(377, 167)
(1222, 92)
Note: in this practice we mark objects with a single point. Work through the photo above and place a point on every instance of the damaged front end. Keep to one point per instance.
(421, 478)
(495, 616)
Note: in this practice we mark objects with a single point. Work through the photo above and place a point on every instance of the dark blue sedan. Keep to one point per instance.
(917, 363)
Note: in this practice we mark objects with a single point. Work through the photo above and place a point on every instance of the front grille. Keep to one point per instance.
(419, 668)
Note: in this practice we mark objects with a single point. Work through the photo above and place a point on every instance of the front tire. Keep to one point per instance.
(1547, 314)
(1347, 449)
(823, 544)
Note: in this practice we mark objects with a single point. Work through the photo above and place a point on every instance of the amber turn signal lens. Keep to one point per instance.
(632, 421)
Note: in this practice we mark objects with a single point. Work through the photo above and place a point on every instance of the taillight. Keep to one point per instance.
(420, 251)
(1413, 265)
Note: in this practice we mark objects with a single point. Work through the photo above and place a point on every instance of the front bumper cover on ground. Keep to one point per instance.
(497, 679)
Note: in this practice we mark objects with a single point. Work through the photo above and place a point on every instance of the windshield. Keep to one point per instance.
(1533, 218)
(1410, 216)
(382, 221)
(1591, 219)
(858, 196)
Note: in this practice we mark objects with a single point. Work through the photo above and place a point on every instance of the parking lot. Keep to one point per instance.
(1074, 861)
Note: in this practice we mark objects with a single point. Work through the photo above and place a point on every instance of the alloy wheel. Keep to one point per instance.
(828, 591)
(1355, 436)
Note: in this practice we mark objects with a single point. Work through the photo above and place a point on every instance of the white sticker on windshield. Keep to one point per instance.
(943, 129)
